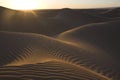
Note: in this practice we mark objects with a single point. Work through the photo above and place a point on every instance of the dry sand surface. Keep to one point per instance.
(66, 44)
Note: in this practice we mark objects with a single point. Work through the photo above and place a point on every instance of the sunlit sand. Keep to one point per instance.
(65, 44)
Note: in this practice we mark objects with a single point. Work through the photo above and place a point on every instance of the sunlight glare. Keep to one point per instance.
(25, 4)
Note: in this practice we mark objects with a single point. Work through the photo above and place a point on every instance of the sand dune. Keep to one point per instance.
(36, 48)
(104, 36)
(47, 71)
(112, 13)
(88, 52)
(99, 36)
(38, 21)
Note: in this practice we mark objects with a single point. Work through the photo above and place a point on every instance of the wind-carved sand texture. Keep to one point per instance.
(87, 50)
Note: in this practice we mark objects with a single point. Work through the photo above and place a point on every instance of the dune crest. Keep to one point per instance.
(104, 36)
(65, 44)
(36, 48)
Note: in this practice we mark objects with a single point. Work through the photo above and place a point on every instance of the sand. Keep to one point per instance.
(66, 44)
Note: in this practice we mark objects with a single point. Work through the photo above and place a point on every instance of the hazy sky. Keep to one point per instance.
(70, 3)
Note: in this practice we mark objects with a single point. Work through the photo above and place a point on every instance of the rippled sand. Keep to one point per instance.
(84, 52)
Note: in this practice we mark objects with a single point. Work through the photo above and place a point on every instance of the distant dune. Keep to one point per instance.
(61, 44)
(99, 35)
(112, 13)
(39, 21)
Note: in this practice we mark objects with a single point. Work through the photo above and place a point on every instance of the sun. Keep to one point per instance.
(25, 4)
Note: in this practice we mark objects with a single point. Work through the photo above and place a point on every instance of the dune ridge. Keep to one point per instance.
(38, 21)
(103, 36)
(81, 44)
(47, 71)
(36, 48)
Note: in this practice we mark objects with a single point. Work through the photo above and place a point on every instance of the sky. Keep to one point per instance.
(56, 4)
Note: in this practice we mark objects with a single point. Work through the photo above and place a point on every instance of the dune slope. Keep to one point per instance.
(47, 22)
(100, 38)
(19, 49)
(50, 70)
(104, 36)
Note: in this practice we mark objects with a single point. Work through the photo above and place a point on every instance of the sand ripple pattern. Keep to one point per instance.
(18, 49)
(46, 71)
